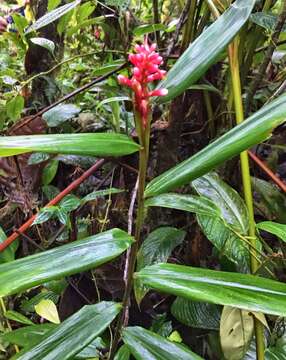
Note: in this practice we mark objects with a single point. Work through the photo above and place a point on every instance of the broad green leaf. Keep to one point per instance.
(47, 309)
(14, 107)
(243, 291)
(59, 114)
(16, 316)
(52, 16)
(148, 28)
(52, 4)
(92, 350)
(37, 158)
(196, 314)
(65, 260)
(277, 351)
(102, 70)
(29, 305)
(123, 353)
(9, 253)
(112, 99)
(234, 216)
(29, 335)
(254, 130)
(70, 202)
(108, 144)
(45, 214)
(236, 330)
(50, 171)
(267, 21)
(95, 194)
(269, 200)
(274, 228)
(206, 49)
(147, 345)
(45, 43)
(84, 10)
(74, 334)
(156, 248)
(191, 203)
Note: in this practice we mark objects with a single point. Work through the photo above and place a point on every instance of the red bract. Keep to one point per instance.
(146, 69)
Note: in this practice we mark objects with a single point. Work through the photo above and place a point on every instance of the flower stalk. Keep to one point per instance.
(145, 71)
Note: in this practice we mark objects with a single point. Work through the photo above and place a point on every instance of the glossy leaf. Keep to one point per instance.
(196, 314)
(147, 345)
(45, 43)
(234, 216)
(49, 172)
(14, 107)
(65, 260)
(191, 203)
(16, 316)
(96, 194)
(79, 330)
(243, 291)
(108, 144)
(274, 228)
(156, 248)
(123, 353)
(254, 130)
(236, 330)
(52, 16)
(148, 28)
(9, 253)
(267, 21)
(59, 114)
(206, 49)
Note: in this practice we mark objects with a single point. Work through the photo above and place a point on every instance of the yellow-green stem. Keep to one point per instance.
(236, 88)
(3, 308)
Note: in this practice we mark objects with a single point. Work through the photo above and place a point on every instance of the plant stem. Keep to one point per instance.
(3, 308)
(189, 27)
(236, 88)
(144, 138)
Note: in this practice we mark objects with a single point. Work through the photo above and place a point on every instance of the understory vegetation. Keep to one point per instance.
(143, 180)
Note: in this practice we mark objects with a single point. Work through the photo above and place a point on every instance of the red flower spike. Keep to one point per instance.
(146, 69)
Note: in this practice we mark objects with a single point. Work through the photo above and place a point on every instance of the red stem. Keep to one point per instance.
(54, 201)
(266, 169)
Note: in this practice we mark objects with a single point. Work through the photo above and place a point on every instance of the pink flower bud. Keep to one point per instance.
(158, 92)
(123, 80)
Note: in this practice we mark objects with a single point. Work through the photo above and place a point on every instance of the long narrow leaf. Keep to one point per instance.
(206, 49)
(254, 130)
(65, 260)
(147, 345)
(73, 334)
(78, 144)
(238, 290)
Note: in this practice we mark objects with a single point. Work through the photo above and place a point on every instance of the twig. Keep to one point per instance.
(69, 96)
(263, 67)
(266, 169)
(182, 20)
(54, 201)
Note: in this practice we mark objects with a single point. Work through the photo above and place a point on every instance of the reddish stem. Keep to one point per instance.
(54, 201)
(266, 169)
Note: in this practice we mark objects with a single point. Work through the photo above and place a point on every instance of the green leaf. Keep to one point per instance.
(146, 345)
(45, 214)
(95, 194)
(278, 350)
(29, 335)
(59, 114)
(14, 107)
(236, 330)
(49, 172)
(191, 203)
(74, 334)
(254, 130)
(234, 216)
(47, 309)
(156, 248)
(16, 316)
(108, 144)
(206, 49)
(45, 43)
(84, 11)
(267, 21)
(29, 305)
(274, 228)
(52, 16)
(9, 253)
(148, 28)
(123, 353)
(52, 4)
(112, 99)
(37, 158)
(65, 260)
(63, 216)
(70, 202)
(243, 291)
(196, 314)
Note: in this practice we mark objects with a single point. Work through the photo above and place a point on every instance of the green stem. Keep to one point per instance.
(3, 308)
(236, 88)
(144, 138)
(189, 30)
